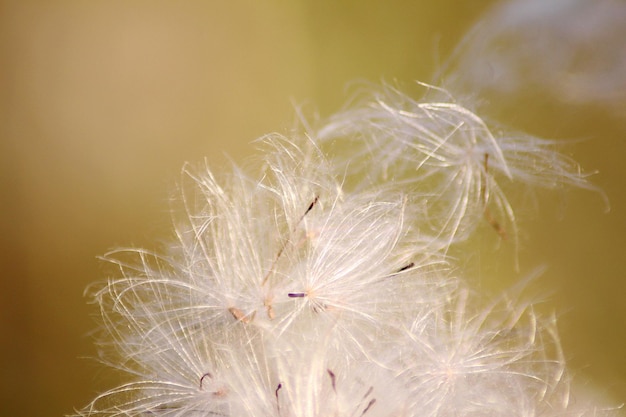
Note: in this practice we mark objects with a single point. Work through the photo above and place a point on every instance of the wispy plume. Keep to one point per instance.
(319, 286)
(567, 52)
(447, 158)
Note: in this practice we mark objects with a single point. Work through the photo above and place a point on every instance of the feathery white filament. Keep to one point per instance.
(442, 152)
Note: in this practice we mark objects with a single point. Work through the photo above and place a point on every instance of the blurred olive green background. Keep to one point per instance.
(101, 102)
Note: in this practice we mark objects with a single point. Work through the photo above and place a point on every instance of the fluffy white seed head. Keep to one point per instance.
(282, 257)
(445, 156)
(465, 360)
(318, 287)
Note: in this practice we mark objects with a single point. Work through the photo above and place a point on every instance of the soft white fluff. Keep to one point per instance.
(318, 286)
(442, 153)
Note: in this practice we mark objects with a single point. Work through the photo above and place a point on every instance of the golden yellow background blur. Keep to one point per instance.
(101, 102)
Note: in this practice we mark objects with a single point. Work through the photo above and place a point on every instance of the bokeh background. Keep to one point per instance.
(101, 103)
